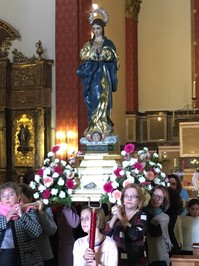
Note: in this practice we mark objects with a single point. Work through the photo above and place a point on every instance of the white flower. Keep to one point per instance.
(62, 195)
(142, 156)
(54, 191)
(36, 195)
(155, 155)
(69, 167)
(47, 161)
(159, 165)
(113, 178)
(142, 179)
(63, 163)
(55, 174)
(136, 171)
(41, 188)
(70, 191)
(128, 174)
(145, 149)
(45, 201)
(157, 170)
(37, 178)
(115, 184)
(140, 152)
(151, 163)
(125, 164)
(157, 181)
(112, 199)
(60, 182)
(123, 153)
(46, 171)
(131, 179)
(119, 202)
(50, 154)
(133, 161)
(163, 175)
(32, 184)
(121, 172)
(56, 160)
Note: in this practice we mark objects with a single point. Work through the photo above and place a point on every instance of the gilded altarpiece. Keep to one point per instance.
(25, 113)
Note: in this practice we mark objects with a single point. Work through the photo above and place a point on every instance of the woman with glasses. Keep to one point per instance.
(157, 239)
(128, 226)
(18, 229)
(105, 250)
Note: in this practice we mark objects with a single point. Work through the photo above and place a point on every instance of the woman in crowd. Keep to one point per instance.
(18, 229)
(98, 75)
(157, 239)
(176, 184)
(128, 227)
(105, 250)
(175, 209)
(186, 228)
(49, 227)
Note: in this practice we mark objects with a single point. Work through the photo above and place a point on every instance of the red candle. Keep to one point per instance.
(92, 229)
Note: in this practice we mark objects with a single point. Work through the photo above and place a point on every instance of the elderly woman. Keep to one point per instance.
(128, 226)
(99, 79)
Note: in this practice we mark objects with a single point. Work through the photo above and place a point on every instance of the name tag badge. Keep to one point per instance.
(123, 256)
(121, 234)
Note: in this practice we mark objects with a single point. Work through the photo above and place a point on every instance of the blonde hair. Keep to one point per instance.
(139, 192)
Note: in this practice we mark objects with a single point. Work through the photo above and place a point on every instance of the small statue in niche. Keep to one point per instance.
(24, 138)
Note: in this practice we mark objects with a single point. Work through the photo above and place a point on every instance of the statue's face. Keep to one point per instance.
(96, 137)
(97, 30)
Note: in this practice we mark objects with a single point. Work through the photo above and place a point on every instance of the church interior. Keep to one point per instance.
(156, 104)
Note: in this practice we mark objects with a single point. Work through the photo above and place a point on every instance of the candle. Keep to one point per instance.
(174, 162)
(194, 90)
(92, 229)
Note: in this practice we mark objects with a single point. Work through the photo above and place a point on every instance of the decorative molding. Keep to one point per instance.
(132, 8)
(7, 35)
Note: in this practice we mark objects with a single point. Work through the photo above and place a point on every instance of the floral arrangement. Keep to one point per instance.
(145, 170)
(55, 181)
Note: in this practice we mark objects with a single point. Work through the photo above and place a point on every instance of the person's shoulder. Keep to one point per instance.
(110, 241)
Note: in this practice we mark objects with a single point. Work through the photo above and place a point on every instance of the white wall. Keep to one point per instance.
(164, 55)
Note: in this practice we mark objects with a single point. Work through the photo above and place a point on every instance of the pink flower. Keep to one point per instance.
(129, 148)
(58, 170)
(138, 166)
(70, 184)
(108, 187)
(117, 194)
(150, 175)
(48, 180)
(40, 172)
(126, 182)
(46, 194)
(55, 148)
(117, 171)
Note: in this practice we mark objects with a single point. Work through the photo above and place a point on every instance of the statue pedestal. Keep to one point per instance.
(94, 169)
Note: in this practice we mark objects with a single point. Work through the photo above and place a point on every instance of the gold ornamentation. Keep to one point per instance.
(7, 35)
(133, 8)
(40, 49)
(18, 57)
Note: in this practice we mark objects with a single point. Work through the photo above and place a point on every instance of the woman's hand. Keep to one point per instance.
(118, 210)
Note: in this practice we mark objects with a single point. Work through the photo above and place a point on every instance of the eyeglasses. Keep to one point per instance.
(11, 194)
(86, 219)
(157, 197)
(130, 197)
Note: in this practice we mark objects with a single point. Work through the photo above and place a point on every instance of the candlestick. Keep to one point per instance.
(182, 164)
(194, 90)
(92, 229)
